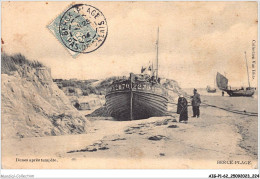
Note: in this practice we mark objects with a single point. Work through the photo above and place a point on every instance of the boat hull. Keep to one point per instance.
(236, 93)
(211, 91)
(133, 105)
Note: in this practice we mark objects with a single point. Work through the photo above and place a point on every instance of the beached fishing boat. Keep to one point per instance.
(139, 97)
(135, 98)
(222, 83)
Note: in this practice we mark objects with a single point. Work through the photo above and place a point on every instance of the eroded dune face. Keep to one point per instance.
(32, 105)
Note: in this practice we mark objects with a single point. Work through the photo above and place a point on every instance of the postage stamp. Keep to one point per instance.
(81, 29)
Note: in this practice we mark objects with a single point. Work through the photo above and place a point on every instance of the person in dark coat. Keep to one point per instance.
(182, 109)
(196, 103)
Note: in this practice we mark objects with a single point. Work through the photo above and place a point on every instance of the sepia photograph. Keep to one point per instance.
(129, 85)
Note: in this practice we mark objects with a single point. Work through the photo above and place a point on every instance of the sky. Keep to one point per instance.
(196, 40)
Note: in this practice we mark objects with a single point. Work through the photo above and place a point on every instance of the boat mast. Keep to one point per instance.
(247, 71)
(131, 97)
(157, 44)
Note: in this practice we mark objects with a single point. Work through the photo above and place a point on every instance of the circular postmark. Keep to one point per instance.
(83, 28)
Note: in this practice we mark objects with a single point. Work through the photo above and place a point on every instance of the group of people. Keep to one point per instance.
(182, 107)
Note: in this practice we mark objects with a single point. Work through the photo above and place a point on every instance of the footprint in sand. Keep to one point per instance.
(118, 139)
(157, 137)
(103, 148)
(173, 126)
(141, 133)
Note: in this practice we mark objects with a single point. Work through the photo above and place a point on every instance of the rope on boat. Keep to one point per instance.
(225, 109)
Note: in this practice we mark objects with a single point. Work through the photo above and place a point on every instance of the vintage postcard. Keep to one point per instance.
(129, 85)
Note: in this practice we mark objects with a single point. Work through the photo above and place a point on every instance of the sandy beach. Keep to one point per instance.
(217, 140)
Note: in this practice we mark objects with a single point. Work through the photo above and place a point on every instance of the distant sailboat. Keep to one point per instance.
(211, 90)
(222, 83)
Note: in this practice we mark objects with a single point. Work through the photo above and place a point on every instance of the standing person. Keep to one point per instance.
(196, 103)
(182, 109)
(223, 93)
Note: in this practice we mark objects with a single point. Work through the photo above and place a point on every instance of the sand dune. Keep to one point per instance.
(158, 142)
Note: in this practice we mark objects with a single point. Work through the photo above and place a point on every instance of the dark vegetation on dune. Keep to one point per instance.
(87, 86)
(10, 63)
(84, 85)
